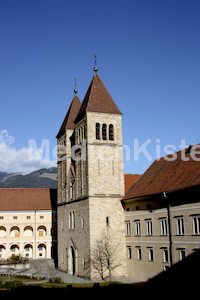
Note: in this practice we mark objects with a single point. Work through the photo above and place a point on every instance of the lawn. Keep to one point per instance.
(6, 279)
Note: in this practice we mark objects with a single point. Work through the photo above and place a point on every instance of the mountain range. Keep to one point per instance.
(43, 178)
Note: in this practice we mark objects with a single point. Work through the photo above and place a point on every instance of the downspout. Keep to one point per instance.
(170, 230)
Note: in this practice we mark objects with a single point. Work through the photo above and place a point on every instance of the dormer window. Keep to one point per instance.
(111, 132)
(104, 131)
(97, 131)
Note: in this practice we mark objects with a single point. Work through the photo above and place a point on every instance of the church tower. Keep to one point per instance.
(94, 183)
(64, 147)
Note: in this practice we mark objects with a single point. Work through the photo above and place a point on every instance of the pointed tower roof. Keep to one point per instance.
(97, 99)
(68, 122)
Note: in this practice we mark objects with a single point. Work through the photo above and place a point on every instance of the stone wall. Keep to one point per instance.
(95, 206)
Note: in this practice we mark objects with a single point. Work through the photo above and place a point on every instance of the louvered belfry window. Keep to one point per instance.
(104, 132)
(97, 131)
(111, 132)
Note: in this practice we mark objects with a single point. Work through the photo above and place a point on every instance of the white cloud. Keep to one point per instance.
(23, 160)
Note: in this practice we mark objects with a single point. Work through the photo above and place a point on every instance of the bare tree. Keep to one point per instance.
(104, 254)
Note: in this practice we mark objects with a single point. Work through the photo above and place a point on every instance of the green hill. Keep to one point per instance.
(43, 178)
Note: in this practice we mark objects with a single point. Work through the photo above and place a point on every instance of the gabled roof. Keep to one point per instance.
(164, 175)
(97, 99)
(68, 122)
(25, 199)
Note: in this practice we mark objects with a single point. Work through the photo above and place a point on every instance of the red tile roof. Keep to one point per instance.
(68, 122)
(163, 175)
(25, 199)
(97, 99)
(129, 180)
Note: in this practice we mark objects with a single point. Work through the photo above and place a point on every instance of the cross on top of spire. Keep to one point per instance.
(95, 68)
(75, 90)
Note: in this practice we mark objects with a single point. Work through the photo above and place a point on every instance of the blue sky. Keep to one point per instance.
(148, 55)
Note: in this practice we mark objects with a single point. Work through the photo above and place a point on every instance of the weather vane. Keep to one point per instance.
(75, 90)
(95, 68)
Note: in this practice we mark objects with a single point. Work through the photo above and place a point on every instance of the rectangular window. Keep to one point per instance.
(165, 255)
(182, 253)
(149, 227)
(196, 225)
(165, 268)
(28, 217)
(151, 256)
(163, 226)
(129, 253)
(41, 217)
(128, 228)
(180, 225)
(137, 227)
(1, 217)
(139, 253)
(14, 217)
(148, 205)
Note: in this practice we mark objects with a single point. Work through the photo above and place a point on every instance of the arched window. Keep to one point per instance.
(70, 220)
(28, 251)
(82, 223)
(73, 219)
(42, 231)
(2, 231)
(14, 249)
(97, 131)
(104, 132)
(14, 231)
(28, 231)
(107, 221)
(42, 250)
(2, 251)
(111, 132)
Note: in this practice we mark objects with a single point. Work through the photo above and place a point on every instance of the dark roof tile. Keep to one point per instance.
(25, 199)
(68, 122)
(97, 99)
(164, 175)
